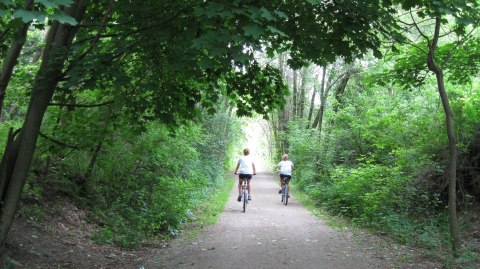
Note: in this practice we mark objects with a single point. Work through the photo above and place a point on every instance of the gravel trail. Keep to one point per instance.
(268, 235)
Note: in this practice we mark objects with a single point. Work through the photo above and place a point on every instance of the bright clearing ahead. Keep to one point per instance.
(258, 140)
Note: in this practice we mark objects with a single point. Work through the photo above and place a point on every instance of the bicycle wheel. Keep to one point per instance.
(245, 200)
(286, 196)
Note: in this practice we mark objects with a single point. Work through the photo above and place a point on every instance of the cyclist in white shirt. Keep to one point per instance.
(286, 167)
(245, 169)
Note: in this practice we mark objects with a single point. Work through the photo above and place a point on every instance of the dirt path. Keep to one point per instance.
(268, 235)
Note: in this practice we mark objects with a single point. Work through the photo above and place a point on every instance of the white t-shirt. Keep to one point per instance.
(285, 167)
(246, 165)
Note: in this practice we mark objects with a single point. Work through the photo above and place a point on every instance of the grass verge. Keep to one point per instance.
(409, 253)
(318, 211)
(209, 212)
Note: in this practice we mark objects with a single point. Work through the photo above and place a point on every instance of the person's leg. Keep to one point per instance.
(248, 188)
(287, 181)
(280, 184)
(239, 189)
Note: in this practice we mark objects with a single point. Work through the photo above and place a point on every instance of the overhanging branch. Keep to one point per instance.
(81, 105)
(57, 141)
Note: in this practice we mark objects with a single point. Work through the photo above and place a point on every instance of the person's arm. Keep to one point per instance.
(236, 169)
(277, 168)
(293, 167)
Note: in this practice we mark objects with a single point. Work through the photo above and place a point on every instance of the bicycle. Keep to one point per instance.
(244, 193)
(284, 192)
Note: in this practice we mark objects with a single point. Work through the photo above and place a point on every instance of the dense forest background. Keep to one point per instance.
(136, 114)
(377, 153)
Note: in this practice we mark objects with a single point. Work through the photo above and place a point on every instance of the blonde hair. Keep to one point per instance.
(285, 157)
(246, 151)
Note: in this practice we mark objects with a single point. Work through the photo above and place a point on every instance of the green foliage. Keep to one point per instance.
(304, 151)
(159, 181)
(256, 87)
(469, 259)
(151, 140)
(41, 10)
(144, 184)
(380, 158)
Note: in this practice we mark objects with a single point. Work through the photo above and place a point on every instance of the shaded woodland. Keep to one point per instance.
(132, 110)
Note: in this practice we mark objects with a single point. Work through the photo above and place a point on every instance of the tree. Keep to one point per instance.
(334, 78)
(312, 99)
(18, 155)
(438, 31)
(12, 55)
(171, 60)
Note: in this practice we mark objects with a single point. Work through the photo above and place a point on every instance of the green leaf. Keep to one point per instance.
(8, 3)
(48, 4)
(3, 12)
(276, 31)
(266, 14)
(281, 14)
(395, 49)
(465, 21)
(55, 3)
(377, 53)
(66, 3)
(28, 16)
(446, 10)
(253, 30)
(63, 18)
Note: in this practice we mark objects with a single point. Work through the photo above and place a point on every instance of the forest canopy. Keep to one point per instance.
(83, 83)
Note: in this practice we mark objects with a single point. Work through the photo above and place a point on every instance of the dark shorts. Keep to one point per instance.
(247, 176)
(285, 177)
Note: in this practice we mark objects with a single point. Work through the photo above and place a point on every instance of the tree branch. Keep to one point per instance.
(81, 105)
(57, 142)
(147, 27)
(435, 35)
(460, 42)
(418, 28)
(103, 26)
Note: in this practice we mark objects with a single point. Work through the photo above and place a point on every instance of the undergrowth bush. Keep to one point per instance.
(147, 180)
(158, 181)
(374, 163)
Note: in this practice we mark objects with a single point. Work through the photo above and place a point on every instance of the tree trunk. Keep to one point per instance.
(312, 102)
(11, 150)
(98, 146)
(452, 148)
(283, 115)
(339, 92)
(322, 97)
(295, 95)
(93, 161)
(12, 56)
(46, 80)
(301, 96)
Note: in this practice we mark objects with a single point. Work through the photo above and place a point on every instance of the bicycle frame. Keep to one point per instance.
(244, 194)
(284, 191)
